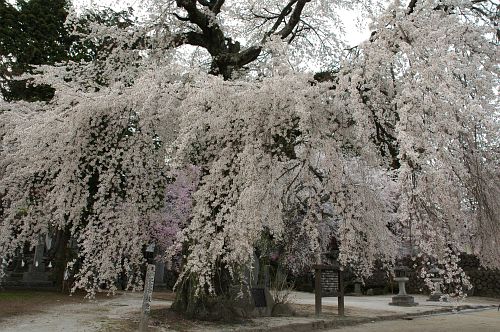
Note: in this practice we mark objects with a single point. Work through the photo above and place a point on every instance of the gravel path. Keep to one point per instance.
(487, 320)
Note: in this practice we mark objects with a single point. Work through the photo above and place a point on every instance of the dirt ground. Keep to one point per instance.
(54, 312)
(44, 311)
(26, 311)
(14, 303)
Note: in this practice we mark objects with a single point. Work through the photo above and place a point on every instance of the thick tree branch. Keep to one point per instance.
(214, 5)
(226, 53)
(281, 17)
(190, 38)
(411, 6)
(294, 19)
(212, 33)
(217, 6)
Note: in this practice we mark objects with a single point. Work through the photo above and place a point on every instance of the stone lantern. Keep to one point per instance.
(437, 280)
(402, 299)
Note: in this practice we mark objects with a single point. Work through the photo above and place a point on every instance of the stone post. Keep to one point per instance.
(146, 299)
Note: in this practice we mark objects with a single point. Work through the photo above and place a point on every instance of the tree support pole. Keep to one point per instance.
(317, 291)
(340, 298)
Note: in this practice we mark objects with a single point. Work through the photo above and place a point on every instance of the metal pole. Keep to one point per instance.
(146, 300)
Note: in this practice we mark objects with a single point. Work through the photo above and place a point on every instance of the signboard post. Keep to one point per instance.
(146, 300)
(328, 282)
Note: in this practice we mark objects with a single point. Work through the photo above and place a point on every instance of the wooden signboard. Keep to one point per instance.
(331, 277)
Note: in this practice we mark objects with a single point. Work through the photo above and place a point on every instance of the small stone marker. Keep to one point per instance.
(146, 300)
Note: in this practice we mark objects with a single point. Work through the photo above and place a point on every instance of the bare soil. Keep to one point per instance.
(22, 311)
(21, 302)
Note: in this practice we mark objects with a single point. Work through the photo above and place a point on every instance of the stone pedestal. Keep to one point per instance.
(403, 299)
